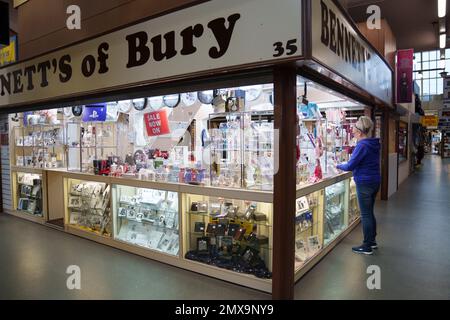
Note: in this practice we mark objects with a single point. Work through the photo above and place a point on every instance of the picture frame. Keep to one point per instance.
(74, 202)
(203, 244)
(313, 243)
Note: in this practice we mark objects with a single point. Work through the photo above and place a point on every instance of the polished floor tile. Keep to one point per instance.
(414, 258)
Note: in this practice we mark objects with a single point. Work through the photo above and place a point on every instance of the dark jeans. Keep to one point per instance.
(367, 193)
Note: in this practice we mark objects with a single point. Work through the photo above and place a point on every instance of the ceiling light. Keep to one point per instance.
(442, 8)
(419, 75)
(442, 40)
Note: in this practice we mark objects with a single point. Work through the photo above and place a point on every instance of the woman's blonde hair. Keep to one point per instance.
(365, 125)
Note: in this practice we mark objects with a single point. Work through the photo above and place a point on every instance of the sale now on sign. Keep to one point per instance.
(156, 123)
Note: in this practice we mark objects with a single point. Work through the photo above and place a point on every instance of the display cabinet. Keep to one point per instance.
(324, 212)
(336, 210)
(28, 193)
(229, 233)
(147, 218)
(39, 146)
(241, 147)
(90, 145)
(353, 210)
(88, 206)
(308, 240)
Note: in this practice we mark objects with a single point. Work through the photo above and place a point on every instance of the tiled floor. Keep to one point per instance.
(414, 257)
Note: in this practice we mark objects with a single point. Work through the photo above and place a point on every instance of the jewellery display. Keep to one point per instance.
(147, 218)
(88, 205)
(230, 238)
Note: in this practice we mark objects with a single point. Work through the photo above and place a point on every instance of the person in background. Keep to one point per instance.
(365, 165)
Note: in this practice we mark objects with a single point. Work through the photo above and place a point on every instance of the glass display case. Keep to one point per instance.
(147, 218)
(88, 206)
(229, 233)
(353, 209)
(28, 193)
(322, 214)
(39, 146)
(241, 147)
(308, 240)
(90, 146)
(336, 210)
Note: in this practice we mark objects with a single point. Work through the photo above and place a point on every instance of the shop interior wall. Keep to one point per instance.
(5, 164)
(382, 39)
(42, 23)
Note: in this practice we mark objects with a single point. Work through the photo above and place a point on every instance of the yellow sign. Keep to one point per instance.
(430, 121)
(8, 54)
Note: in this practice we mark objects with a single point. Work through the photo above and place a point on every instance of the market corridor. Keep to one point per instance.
(413, 256)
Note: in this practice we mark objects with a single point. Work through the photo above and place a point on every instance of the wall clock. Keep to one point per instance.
(206, 97)
(156, 103)
(189, 98)
(171, 100)
(140, 104)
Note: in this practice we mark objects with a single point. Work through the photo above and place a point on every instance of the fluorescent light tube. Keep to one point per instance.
(442, 8)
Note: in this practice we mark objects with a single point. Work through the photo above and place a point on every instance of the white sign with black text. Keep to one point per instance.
(212, 35)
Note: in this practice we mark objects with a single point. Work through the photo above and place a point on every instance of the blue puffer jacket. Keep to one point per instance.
(365, 161)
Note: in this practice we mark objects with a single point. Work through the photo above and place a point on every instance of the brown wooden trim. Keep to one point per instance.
(285, 96)
(167, 85)
(187, 83)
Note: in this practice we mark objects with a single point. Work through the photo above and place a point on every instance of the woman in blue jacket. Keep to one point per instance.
(365, 165)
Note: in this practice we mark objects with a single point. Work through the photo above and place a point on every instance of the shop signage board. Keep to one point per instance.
(430, 121)
(209, 36)
(156, 123)
(405, 75)
(337, 45)
(8, 54)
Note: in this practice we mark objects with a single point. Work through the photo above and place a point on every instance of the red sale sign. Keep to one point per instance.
(156, 123)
